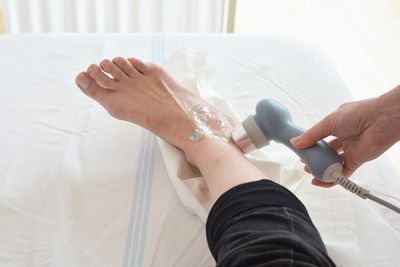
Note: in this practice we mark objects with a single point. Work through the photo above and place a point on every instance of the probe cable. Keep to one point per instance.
(362, 192)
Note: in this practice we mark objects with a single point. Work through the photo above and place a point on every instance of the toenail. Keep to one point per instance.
(91, 67)
(117, 59)
(82, 81)
(104, 63)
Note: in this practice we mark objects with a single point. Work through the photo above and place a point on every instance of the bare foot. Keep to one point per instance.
(144, 94)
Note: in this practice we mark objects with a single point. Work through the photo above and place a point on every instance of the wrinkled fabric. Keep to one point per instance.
(79, 188)
(261, 223)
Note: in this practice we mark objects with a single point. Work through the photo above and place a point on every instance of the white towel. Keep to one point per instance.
(348, 225)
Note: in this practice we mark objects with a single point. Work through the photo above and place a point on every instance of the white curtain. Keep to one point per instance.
(112, 15)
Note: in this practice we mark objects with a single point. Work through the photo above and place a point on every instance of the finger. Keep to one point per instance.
(125, 66)
(336, 144)
(314, 134)
(342, 157)
(350, 165)
(109, 67)
(344, 165)
(91, 88)
(348, 171)
(307, 169)
(317, 182)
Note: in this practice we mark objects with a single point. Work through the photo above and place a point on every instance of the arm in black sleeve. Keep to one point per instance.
(263, 224)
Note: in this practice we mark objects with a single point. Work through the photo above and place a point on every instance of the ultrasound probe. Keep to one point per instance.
(273, 121)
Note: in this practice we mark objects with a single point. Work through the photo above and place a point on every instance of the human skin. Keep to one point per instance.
(363, 130)
(146, 95)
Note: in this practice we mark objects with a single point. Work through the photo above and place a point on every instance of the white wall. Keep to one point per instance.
(112, 15)
(362, 37)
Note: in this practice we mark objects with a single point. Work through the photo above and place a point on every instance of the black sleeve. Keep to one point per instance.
(263, 224)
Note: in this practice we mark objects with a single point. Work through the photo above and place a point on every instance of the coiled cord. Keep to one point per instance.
(362, 192)
(351, 186)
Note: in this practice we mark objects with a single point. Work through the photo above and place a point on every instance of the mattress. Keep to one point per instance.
(79, 188)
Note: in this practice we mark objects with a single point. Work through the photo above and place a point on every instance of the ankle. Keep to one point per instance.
(208, 150)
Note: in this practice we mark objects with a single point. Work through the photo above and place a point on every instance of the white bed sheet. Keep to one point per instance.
(79, 188)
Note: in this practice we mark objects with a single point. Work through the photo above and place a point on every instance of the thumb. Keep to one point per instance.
(319, 131)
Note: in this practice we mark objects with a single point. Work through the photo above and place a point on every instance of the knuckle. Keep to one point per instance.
(330, 123)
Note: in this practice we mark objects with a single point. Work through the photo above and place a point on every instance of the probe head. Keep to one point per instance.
(249, 136)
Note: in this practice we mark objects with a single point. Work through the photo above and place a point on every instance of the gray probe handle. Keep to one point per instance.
(276, 124)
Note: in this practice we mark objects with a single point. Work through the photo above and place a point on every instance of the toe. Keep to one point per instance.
(125, 66)
(91, 88)
(139, 65)
(109, 67)
(100, 77)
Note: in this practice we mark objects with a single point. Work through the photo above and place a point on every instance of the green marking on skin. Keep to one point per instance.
(196, 135)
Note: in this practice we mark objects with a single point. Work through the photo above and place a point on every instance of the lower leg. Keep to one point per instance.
(144, 94)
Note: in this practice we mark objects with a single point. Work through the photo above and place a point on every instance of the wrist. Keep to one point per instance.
(387, 108)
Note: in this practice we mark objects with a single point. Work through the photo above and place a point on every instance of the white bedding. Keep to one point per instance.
(79, 188)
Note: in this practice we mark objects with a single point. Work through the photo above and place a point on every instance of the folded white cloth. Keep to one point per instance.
(194, 69)
(347, 224)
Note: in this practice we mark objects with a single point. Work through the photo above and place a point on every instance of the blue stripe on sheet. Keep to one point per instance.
(137, 231)
(135, 199)
(142, 240)
(143, 233)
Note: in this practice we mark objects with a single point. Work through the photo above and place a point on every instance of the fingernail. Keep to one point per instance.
(295, 141)
(82, 81)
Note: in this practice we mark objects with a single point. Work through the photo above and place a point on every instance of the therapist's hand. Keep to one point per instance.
(363, 130)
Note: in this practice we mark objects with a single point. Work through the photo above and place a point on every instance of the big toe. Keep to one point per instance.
(90, 87)
(82, 81)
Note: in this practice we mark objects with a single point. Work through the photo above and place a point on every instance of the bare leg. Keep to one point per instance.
(257, 223)
(146, 95)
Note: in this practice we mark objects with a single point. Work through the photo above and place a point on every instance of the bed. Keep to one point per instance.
(79, 188)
